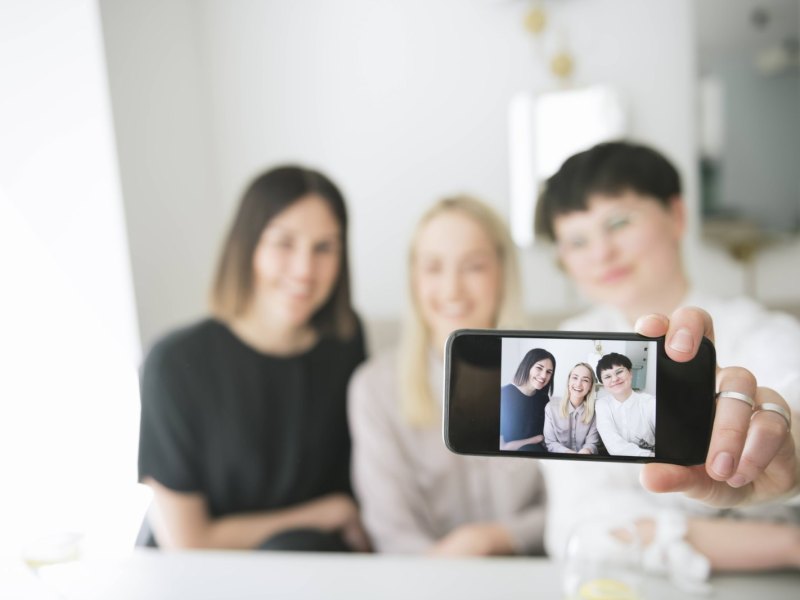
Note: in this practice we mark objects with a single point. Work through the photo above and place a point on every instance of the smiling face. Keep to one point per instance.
(456, 275)
(297, 261)
(625, 251)
(579, 384)
(617, 380)
(540, 374)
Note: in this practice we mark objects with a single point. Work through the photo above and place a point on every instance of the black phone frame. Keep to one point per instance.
(682, 436)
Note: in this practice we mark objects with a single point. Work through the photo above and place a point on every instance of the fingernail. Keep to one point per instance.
(737, 480)
(681, 341)
(723, 464)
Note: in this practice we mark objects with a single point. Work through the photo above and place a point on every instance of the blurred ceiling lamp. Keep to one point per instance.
(536, 19)
(545, 130)
(561, 63)
(593, 357)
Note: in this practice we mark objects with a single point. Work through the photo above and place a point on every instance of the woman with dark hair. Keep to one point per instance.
(244, 437)
(522, 402)
(617, 217)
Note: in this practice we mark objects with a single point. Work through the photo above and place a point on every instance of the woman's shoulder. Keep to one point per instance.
(373, 390)
(378, 371)
(179, 359)
(602, 402)
(186, 340)
(352, 348)
(551, 407)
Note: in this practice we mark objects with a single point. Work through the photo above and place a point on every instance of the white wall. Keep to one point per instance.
(68, 341)
(401, 102)
(160, 90)
(569, 353)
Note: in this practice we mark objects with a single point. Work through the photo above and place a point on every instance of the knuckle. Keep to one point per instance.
(741, 375)
(730, 433)
(753, 464)
(770, 425)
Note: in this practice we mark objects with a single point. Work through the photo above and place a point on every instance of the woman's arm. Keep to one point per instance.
(592, 438)
(746, 545)
(518, 532)
(732, 545)
(181, 520)
(391, 503)
(475, 539)
(517, 444)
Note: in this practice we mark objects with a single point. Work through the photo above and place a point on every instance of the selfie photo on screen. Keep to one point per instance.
(578, 396)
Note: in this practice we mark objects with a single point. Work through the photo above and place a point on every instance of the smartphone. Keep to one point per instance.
(577, 395)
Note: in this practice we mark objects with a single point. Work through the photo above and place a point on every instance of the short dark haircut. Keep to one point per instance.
(610, 168)
(531, 358)
(611, 360)
(269, 194)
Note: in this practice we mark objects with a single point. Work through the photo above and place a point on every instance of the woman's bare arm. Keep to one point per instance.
(733, 545)
(517, 444)
(181, 520)
(746, 545)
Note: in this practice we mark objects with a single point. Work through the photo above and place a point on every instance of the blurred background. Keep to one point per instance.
(128, 130)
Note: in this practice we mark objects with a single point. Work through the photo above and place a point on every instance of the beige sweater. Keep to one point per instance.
(412, 490)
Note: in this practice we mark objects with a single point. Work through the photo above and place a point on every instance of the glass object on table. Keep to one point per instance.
(603, 562)
(52, 549)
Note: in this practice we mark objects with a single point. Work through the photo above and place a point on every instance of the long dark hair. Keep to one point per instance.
(531, 358)
(268, 195)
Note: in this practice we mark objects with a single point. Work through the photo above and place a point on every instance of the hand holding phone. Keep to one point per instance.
(581, 396)
(752, 455)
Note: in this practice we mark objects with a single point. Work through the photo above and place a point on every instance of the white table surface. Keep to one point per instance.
(202, 575)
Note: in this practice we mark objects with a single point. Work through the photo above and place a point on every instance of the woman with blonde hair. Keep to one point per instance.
(569, 422)
(415, 495)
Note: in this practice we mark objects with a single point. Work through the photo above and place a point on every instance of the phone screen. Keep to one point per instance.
(596, 397)
(585, 396)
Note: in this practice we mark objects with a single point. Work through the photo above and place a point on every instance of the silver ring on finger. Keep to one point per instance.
(776, 408)
(738, 396)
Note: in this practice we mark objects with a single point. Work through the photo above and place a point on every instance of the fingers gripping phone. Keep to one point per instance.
(577, 395)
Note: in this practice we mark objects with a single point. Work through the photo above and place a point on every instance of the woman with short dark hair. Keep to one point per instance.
(244, 437)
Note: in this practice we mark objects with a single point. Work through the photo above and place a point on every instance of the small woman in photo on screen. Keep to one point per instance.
(626, 419)
(522, 402)
(569, 421)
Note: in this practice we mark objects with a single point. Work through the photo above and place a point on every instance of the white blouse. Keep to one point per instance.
(747, 335)
(623, 424)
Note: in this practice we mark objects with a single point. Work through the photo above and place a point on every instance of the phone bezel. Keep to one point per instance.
(672, 381)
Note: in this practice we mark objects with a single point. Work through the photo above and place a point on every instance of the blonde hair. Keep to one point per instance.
(417, 405)
(588, 413)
